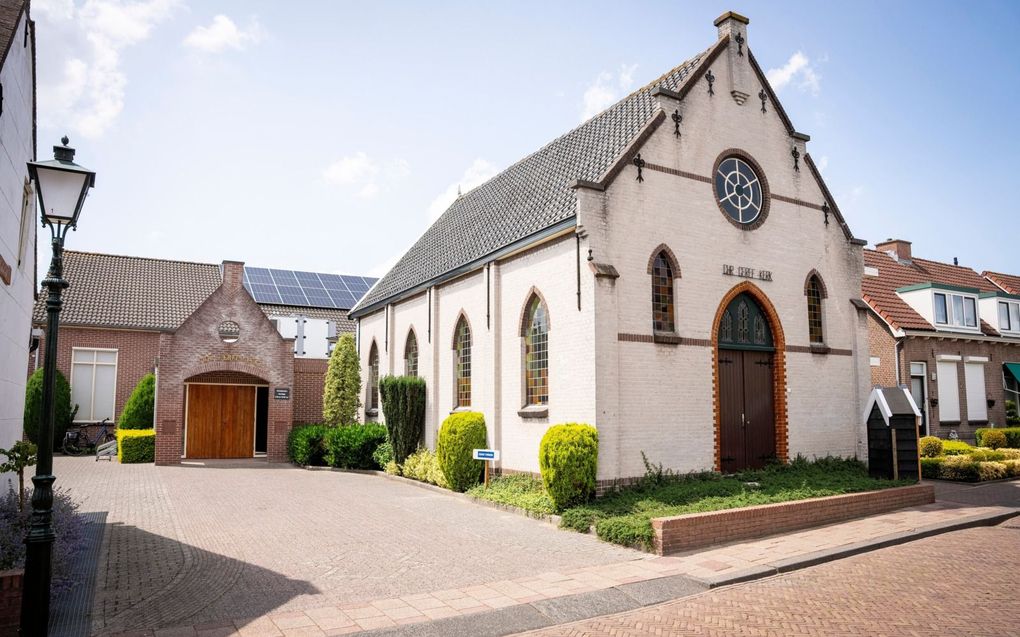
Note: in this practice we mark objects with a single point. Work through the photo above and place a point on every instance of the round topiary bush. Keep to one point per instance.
(930, 447)
(993, 439)
(138, 411)
(568, 458)
(459, 436)
(33, 407)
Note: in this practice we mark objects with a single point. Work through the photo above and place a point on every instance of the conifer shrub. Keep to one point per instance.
(403, 405)
(352, 447)
(568, 459)
(459, 436)
(138, 411)
(1012, 415)
(1012, 435)
(342, 388)
(930, 447)
(136, 445)
(33, 407)
(305, 445)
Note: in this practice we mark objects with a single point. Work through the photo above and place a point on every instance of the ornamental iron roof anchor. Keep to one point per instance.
(711, 80)
(796, 158)
(763, 97)
(640, 163)
(740, 45)
(677, 118)
(825, 210)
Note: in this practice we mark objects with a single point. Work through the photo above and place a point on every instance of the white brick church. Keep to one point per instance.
(673, 271)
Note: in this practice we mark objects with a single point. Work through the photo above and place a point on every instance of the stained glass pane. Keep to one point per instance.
(814, 303)
(373, 378)
(462, 352)
(536, 354)
(662, 295)
(411, 355)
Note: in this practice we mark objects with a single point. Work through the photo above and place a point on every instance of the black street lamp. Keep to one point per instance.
(61, 186)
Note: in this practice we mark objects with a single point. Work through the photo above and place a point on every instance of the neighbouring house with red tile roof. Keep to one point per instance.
(950, 334)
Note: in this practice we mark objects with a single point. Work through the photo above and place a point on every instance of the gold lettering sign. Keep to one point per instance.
(231, 358)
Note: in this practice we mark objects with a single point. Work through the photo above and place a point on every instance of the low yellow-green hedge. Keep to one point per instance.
(136, 445)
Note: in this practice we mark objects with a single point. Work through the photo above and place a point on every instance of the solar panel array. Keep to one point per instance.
(307, 289)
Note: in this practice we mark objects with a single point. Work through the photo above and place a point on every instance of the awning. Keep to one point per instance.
(1014, 369)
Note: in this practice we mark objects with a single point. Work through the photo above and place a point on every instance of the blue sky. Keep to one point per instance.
(326, 136)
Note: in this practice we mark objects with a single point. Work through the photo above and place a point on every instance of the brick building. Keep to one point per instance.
(233, 375)
(951, 334)
(673, 271)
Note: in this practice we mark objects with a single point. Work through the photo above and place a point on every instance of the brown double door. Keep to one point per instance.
(221, 421)
(746, 409)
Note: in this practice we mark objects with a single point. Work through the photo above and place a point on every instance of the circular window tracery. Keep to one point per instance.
(229, 331)
(739, 190)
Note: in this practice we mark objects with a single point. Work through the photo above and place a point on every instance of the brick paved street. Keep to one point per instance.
(191, 544)
(960, 583)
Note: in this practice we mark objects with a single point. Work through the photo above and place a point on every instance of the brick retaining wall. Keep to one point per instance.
(695, 530)
(10, 602)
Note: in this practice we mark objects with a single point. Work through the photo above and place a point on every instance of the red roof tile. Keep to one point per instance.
(1008, 282)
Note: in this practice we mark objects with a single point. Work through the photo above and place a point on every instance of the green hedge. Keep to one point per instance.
(136, 445)
(955, 448)
(33, 407)
(352, 447)
(304, 445)
(930, 447)
(1012, 436)
(568, 459)
(403, 405)
(138, 411)
(423, 465)
(459, 436)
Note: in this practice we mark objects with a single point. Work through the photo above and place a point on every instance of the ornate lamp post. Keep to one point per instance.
(61, 186)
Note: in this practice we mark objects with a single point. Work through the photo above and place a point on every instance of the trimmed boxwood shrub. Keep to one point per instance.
(961, 468)
(931, 468)
(403, 405)
(955, 448)
(352, 447)
(304, 445)
(568, 459)
(1012, 435)
(136, 445)
(138, 411)
(423, 465)
(930, 447)
(993, 439)
(459, 436)
(33, 407)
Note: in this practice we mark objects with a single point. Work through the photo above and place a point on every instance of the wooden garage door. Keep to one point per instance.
(221, 421)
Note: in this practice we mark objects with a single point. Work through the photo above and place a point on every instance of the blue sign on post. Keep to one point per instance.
(485, 454)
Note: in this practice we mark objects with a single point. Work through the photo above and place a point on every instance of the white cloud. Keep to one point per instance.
(89, 92)
(607, 89)
(822, 163)
(476, 174)
(363, 175)
(798, 71)
(223, 34)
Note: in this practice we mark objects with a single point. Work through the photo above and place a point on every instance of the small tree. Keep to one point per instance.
(403, 404)
(1012, 416)
(34, 412)
(138, 411)
(21, 455)
(341, 395)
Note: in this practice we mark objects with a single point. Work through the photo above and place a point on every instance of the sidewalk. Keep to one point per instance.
(555, 597)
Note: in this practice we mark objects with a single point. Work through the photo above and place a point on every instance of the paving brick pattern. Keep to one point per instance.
(901, 590)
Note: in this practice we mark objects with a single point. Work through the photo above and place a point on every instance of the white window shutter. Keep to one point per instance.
(949, 391)
(977, 408)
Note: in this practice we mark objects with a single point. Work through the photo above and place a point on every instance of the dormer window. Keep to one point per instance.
(956, 310)
(1009, 316)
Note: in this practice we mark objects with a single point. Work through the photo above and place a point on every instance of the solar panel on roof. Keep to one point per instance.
(306, 289)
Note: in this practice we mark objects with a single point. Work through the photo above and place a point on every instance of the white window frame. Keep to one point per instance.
(974, 383)
(115, 364)
(950, 321)
(1011, 308)
(948, 387)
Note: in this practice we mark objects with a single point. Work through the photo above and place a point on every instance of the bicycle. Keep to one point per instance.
(77, 443)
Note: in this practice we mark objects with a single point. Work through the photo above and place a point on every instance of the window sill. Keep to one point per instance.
(977, 423)
(819, 348)
(371, 413)
(668, 338)
(533, 411)
(460, 410)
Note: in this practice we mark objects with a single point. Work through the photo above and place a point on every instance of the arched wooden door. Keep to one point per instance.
(747, 427)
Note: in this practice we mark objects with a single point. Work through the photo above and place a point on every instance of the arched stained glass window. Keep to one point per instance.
(662, 295)
(813, 291)
(373, 377)
(536, 352)
(462, 362)
(744, 325)
(411, 355)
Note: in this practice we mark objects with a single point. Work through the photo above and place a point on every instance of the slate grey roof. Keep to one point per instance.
(530, 196)
(10, 15)
(108, 290)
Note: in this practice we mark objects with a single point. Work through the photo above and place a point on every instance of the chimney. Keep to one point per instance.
(738, 62)
(896, 248)
(233, 274)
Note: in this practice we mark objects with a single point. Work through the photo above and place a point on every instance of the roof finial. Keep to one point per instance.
(458, 191)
